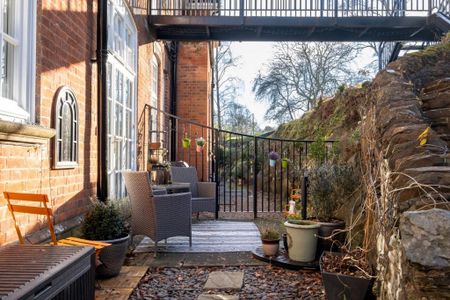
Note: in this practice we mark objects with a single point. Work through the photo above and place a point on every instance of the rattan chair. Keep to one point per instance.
(203, 193)
(157, 216)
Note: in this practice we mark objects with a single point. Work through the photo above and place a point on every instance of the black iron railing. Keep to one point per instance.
(297, 8)
(239, 163)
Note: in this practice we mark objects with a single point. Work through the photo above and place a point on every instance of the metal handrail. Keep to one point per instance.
(233, 160)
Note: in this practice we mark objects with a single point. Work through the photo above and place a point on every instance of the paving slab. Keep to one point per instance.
(121, 286)
(217, 297)
(225, 280)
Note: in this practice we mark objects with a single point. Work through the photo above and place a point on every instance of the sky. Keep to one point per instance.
(254, 57)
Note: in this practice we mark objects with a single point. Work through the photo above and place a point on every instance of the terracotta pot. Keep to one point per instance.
(270, 247)
(199, 148)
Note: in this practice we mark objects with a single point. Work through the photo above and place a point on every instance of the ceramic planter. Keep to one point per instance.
(270, 247)
(302, 240)
(199, 148)
(112, 257)
(327, 229)
(186, 143)
(284, 163)
(340, 286)
(272, 162)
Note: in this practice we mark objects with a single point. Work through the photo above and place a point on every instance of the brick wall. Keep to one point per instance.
(193, 92)
(66, 42)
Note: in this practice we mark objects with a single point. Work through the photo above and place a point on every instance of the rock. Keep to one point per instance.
(426, 237)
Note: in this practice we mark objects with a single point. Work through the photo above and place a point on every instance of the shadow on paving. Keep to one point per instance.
(193, 259)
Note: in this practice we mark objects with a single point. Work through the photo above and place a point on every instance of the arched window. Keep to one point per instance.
(66, 125)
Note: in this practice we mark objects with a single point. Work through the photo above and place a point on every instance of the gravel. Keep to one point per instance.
(261, 282)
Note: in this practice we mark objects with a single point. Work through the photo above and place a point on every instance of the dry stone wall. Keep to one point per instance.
(409, 184)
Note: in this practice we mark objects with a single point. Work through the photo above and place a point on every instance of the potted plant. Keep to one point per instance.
(270, 239)
(273, 157)
(329, 187)
(346, 275)
(186, 142)
(200, 144)
(301, 238)
(284, 162)
(104, 222)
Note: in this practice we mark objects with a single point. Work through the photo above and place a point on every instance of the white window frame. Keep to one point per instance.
(21, 108)
(154, 98)
(124, 62)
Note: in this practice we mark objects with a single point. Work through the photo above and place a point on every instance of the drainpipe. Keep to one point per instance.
(102, 53)
(173, 98)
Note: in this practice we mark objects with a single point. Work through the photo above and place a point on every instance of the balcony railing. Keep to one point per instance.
(297, 8)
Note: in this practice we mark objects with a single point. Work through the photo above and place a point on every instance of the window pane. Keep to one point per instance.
(7, 70)
(8, 17)
(66, 133)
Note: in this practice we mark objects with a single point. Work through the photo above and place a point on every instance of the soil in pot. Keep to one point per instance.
(112, 257)
(270, 247)
(327, 229)
(343, 277)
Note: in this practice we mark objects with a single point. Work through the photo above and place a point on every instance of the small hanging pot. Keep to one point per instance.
(272, 162)
(186, 143)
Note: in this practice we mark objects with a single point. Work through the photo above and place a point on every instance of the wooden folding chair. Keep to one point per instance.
(37, 210)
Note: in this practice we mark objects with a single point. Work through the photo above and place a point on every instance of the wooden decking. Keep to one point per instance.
(210, 236)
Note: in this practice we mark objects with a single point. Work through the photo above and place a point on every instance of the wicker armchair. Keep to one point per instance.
(157, 216)
(203, 193)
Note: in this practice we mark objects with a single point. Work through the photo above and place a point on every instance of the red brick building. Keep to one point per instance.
(73, 97)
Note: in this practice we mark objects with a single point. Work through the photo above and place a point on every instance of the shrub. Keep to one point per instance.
(330, 186)
(104, 222)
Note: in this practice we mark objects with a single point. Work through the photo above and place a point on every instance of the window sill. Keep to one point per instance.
(24, 133)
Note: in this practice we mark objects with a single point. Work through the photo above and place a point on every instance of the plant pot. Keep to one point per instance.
(327, 229)
(270, 247)
(112, 257)
(272, 162)
(199, 148)
(285, 243)
(340, 286)
(284, 163)
(186, 143)
(302, 240)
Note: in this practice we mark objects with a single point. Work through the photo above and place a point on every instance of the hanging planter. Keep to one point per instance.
(200, 142)
(284, 163)
(273, 157)
(186, 142)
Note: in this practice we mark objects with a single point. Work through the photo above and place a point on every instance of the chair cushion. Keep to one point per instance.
(203, 204)
(188, 175)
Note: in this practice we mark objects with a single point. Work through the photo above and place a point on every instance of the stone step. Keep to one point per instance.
(224, 280)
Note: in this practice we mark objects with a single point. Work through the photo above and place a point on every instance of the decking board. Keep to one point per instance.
(210, 236)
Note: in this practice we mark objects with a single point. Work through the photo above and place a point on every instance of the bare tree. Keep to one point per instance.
(302, 73)
(238, 118)
(227, 87)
